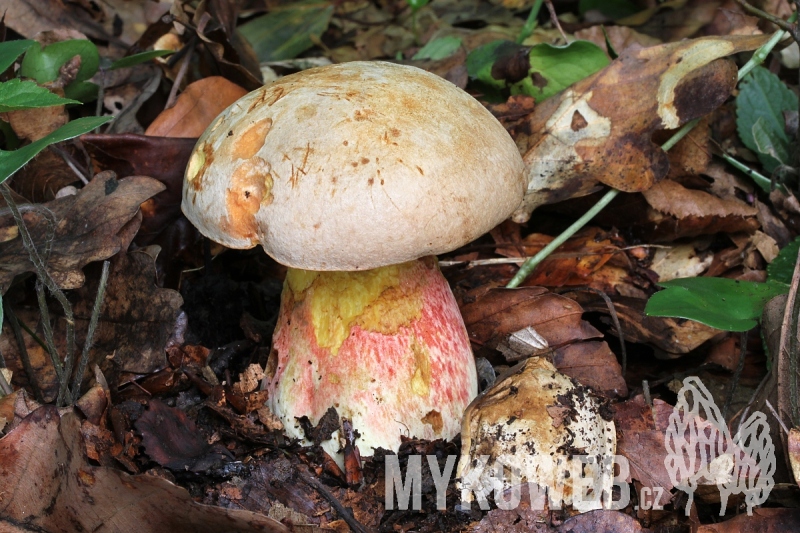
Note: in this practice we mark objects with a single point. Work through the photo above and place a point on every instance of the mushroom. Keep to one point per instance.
(538, 426)
(354, 176)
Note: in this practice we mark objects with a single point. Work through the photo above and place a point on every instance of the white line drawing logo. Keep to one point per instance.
(700, 450)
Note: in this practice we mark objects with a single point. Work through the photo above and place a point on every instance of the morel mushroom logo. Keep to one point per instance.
(701, 451)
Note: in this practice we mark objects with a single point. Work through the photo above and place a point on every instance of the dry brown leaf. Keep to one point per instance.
(90, 226)
(115, 21)
(674, 199)
(195, 108)
(593, 364)
(33, 124)
(642, 442)
(137, 320)
(621, 37)
(58, 489)
(672, 335)
(499, 312)
(600, 129)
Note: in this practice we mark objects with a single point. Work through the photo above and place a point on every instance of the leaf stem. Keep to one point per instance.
(530, 23)
(529, 265)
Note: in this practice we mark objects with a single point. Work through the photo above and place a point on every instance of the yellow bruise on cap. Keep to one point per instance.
(380, 300)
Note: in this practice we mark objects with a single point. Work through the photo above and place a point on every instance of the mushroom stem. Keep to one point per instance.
(387, 348)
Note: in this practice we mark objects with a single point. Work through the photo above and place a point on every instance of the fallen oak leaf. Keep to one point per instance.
(90, 226)
(162, 158)
(173, 440)
(60, 489)
(600, 129)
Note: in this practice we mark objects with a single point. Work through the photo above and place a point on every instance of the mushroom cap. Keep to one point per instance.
(351, 167)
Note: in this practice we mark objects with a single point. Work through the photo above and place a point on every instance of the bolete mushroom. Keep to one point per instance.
(354, 175)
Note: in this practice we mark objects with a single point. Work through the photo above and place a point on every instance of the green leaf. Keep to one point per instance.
(554, 68)
(417, 4)
(43, 64)
(721, 303)
(614, 9)
(438, 48)
(768, 143)
(85, 91)
(481, 60)
(781, 269)
(138, 59)
(16, 95)
(287, 32)
(762, 96)
(10, 51)
(10, 162)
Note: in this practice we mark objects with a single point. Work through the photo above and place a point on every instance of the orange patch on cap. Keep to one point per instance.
(250, 142)
(250, 188)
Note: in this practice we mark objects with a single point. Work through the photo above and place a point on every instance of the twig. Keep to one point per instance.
(71, 163)
(173, 93)
(779, 22)
(554, 19)
(5, 388)
(23, 351)
(44, 276)
(346, 515)
(736, 374)
(50, 345)
(789, 329)
(777, 417)
(98, 304)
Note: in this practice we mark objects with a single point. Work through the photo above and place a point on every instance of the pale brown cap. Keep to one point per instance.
(353, 166)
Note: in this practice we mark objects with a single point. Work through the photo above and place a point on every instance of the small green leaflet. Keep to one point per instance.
(554, 68)
(138, 59)
(10, 51)
(12, 161)
(550, 69)
(721, 303)
(16, 95)
(782, 267)
(438, 49)
(760, 105)
(43, 65)
(288, 31)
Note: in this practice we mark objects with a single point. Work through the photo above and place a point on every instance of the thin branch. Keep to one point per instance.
(50, 345)
(98, 304)
(44, 276)
(779, 22)
(23, 351)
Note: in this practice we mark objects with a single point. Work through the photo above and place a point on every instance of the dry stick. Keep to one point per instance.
(354, 524)
(71, 163)
(50, 345)
(530, 265)
(44, 276)
(554, 19)
(23, 351)
(173, 93)
(5, 388)
(98, 303)
(784, 342)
